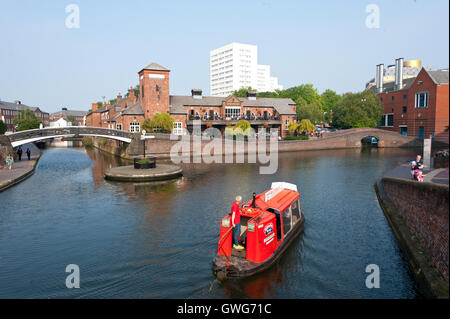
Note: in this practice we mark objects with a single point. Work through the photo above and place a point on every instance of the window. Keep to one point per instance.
(404, 96)
(421, 99)
(295, 211)
(135, 127)
(177, 128)
(387, 120)
(393, 98)
(119, 126)
(287, 215)
(232, 111)
(404, 109)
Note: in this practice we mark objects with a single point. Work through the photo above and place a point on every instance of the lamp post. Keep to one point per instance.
(145, 137)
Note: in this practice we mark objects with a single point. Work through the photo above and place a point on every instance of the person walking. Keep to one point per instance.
(9, 161)
(28, 153)
(236, 221)
(19, 153)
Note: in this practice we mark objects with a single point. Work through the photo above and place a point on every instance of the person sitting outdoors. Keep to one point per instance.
(236, 222)
(416, 165)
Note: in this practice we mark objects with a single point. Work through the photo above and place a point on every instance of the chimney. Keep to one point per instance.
(94, 106)
(399, 73)
(119, 96)
(251, 95)
(131, 94)
(379, 78)
(196, 93)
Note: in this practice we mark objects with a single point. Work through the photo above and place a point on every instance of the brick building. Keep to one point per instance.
(67, 114)
(9, 111)
(219, 112)
(417, 106)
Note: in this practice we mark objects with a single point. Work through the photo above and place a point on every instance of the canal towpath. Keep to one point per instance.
(20, 169)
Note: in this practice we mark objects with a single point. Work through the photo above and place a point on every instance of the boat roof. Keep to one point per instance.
(276, 198)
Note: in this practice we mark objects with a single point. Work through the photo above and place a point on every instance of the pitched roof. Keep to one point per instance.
(439, 76)
(179, 102)
(70, 113)
(155, 67)
(17, 107)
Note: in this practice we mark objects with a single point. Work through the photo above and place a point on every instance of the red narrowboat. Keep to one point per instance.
(269, 224)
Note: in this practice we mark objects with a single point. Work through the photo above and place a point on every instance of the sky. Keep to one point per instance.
(329, 44)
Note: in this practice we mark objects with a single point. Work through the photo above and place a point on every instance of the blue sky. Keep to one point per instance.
(325, 43)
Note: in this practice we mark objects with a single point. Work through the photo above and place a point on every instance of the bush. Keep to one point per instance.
(87, 142)
(144, 161)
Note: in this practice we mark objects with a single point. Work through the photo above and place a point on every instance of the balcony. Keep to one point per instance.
(219, 120)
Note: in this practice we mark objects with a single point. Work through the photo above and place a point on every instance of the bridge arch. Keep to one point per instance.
(24, 137)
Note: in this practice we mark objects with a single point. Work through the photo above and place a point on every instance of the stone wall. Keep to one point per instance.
(424, 207)
(5, 149)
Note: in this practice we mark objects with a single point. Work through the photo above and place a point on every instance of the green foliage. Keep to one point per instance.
(162, 121)
(99, 105)
(242, 127)
(3, 128)
(306, 126)
(87, 142)
(243, 92)
(72, 119)
(26, 120)
(136, 90)
(312, 111)
(329, 101)
(144, 161)
(298, 137)
(358, 110)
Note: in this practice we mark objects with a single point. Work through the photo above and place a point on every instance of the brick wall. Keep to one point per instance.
(425, 209)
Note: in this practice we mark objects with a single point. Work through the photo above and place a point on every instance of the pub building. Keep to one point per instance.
(210, 111)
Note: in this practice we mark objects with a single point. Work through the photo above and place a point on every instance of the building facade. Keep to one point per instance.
(416, 106)
(188, 110)
(9, 111)
(66, 114)
(235, 66)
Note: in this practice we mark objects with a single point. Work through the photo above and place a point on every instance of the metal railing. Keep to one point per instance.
(69, 130)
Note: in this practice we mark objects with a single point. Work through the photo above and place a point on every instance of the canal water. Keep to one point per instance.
(158, 240)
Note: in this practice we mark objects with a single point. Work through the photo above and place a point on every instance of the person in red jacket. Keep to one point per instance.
(236, 222)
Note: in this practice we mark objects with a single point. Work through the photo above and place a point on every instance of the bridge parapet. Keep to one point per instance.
(75, 131)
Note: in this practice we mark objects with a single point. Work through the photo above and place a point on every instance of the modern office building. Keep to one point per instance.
(417, 105)
(235, 66)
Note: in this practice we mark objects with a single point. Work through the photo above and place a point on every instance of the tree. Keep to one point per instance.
(329, 100)
(72, 119)
(161, 121)
(358, 110)
(243, 92)
(306, 126)
(26, 120)
(242, 127)
(312, 111)
(3, 128)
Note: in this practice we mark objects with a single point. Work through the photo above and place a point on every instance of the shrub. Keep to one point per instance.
(299, 137)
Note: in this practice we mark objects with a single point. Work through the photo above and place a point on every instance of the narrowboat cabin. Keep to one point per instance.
(269, 224)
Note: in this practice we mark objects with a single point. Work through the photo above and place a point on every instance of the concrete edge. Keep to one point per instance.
(428, 277)
(22, 177)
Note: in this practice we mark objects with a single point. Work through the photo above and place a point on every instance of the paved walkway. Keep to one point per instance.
(439, 176)
(9, 178)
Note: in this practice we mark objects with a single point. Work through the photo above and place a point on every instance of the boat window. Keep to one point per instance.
(295, 211)
(278, 221)
(287, 216)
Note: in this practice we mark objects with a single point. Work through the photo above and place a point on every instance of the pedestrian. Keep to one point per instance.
(416, 165)
(236, 222)
(19, 153)
(9, 161)
(28, 153)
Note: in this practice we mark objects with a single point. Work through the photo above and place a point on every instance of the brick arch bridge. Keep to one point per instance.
(353, 138)
(24, 137)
